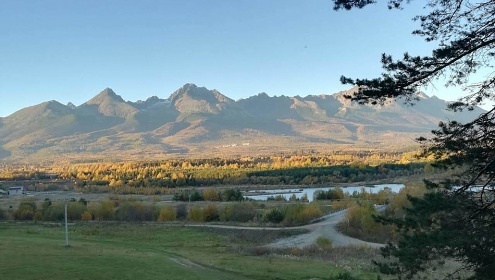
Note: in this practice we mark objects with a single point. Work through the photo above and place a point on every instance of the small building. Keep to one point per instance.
(16, 190)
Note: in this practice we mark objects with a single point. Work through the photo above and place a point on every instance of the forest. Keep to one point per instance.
(163, 176)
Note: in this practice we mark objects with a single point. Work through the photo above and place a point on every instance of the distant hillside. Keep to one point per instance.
(195, 120)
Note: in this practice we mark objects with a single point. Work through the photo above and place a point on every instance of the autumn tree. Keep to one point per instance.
(455, 219)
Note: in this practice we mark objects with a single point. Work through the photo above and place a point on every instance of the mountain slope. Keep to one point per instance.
(197, 120)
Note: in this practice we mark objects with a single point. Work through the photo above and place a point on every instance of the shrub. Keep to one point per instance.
(232, 195)
(276, 198)
(102, 211)
(238, 212)
(53, 211)
(167, 213)
(38, 216)
(273, 215)
(359, 223)
(210, 213)
(75, 210)
(25, 211)
(86, 216)
(211, 194)
(136, 211)
(150, 212)
(296, 214)
(226, 213)
(188, 195)
(331, 194)
(181, 211)
(342, 204)
(195, 214)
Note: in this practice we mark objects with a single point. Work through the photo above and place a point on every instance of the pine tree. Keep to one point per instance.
(456, 219)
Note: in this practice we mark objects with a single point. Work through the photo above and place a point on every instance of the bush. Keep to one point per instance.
(238, 212)
(54, 212)
(38, 216)
(102, 211)
(25, 211)
(75, 210)
(136, 211)
(195, 214)
(86, 216)
(276, 198)
(232, 195)
(360, 223)
(331, 194)
(210, 213)
(167, 213)
(338, 205)
(296, 214)
(188, 195)
(273, 215)
(181, 211)
(211, 194)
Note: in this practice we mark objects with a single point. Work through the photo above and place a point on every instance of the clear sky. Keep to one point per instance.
(68, 50)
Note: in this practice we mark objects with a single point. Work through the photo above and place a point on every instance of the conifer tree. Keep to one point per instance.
(456, 219)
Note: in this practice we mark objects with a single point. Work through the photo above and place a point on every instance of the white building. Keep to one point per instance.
(16, 190)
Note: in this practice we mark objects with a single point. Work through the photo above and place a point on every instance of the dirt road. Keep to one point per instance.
(326, 227)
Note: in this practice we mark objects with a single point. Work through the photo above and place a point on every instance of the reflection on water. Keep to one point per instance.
(287, 193)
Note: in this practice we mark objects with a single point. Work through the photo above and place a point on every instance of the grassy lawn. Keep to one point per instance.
(143, 251)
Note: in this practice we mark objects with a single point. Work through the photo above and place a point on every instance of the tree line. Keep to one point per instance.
(116, 209)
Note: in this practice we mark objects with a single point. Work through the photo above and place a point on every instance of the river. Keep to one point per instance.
(300, 192)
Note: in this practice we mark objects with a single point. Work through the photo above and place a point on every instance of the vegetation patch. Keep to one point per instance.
(103, 250)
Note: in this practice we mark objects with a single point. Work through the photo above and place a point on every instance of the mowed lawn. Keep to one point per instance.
(141, 251)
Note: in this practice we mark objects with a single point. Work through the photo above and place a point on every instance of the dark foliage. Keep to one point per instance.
(456, 218)
(232, 195)
(465, 32)
(440, 226)
(336, 193)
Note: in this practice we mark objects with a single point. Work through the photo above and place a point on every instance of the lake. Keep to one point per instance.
(299, 192)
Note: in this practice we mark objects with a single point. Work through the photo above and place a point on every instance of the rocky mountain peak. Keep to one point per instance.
(150, 102)
(193, 99)
(106, 95)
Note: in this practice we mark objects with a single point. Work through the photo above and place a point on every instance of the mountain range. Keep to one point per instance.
(196, 120)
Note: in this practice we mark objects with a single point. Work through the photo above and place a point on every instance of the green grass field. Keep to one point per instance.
(144, 251)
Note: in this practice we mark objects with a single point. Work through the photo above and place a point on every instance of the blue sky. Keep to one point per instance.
(69, 51)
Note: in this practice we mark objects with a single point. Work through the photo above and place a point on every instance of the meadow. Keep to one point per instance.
(110, 250)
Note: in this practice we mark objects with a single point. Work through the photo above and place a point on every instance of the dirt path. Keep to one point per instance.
(326, 227)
